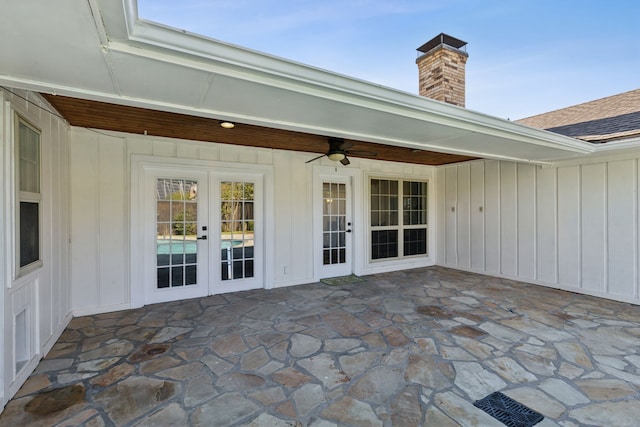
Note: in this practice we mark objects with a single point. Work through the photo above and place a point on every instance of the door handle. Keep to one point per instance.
(202, 237)
(348, 231)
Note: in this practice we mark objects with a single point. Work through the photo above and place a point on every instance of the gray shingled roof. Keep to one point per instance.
(602, 120)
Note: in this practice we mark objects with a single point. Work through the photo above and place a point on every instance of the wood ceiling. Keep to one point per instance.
(113, 117)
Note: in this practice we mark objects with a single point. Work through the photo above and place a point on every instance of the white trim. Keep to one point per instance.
(152, 294)
(9, 180)
(216, 285)
(28, 197)
(155, 34)
(352, 177)
(23, 375)
(456, 215)
(469, 214)
(4, 274)
(607, 152)
(55, 335)
(516, 237)
(297, 282)
(118, 30)
(636, 230)
(563, 147)
(166, 37)
(395, 264)
(605, 226)
(98, 309)
(629, 143)
(535, 223)
(398, 265)
(390, 101)
(22, 297)
(323, 271)
(575, 289)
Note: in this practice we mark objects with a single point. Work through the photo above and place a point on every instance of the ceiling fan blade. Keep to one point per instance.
(362, 153)
(346, 145)
(315, 158)
(345, 161)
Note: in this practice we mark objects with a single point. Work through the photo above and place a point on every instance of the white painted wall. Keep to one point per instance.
(43, 294)
(101, 210)
(573, 226)
(98, 214)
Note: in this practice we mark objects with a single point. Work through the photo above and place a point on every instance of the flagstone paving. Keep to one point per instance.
(407, 348)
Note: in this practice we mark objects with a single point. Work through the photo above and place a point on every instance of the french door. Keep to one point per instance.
(204, 230)
(334, 226)
(176, 236)
(237, 245)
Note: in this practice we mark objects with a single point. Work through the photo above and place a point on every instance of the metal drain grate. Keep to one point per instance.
(508, 411)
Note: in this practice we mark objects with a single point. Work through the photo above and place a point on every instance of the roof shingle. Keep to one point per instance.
(602, 120)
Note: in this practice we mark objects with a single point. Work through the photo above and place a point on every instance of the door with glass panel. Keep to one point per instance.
(180, 246)
(236, 250)
(207, 235)
(335, 205)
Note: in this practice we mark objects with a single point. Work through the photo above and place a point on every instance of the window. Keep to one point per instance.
(28, 186)
(398, 229)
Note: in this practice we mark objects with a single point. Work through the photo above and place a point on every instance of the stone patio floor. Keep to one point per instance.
(407, 348)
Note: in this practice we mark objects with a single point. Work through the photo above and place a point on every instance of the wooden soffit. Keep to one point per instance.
(135, 120)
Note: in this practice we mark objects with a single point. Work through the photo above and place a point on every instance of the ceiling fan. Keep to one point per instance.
(339, 149)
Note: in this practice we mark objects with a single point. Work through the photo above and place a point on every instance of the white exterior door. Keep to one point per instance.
(334, 228)
(203, 233)
(177, 236)
(236, 239)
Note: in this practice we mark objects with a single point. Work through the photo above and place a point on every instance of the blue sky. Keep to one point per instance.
(525, 56)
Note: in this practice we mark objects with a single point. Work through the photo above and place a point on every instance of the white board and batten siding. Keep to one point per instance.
(572, 227)
(36, 305)
(101, 206)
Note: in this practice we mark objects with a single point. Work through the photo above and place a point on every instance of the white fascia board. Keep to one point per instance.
(419, 110)
(290, 75)
(630, 143)
(439, 145)
(355, 92)
(607, 152)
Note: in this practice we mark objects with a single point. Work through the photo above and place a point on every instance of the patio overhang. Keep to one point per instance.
(100, 51)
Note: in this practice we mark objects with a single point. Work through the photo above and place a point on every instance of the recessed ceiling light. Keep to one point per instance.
(227, 125)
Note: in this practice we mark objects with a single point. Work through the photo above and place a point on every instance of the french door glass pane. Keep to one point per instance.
(176, 244)
(237, 219)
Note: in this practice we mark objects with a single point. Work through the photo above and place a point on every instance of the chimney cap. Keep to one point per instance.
(442, 38)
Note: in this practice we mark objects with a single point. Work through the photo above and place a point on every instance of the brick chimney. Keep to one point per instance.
(441, 69)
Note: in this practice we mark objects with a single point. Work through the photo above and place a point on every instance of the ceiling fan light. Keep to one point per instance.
(336, 157)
